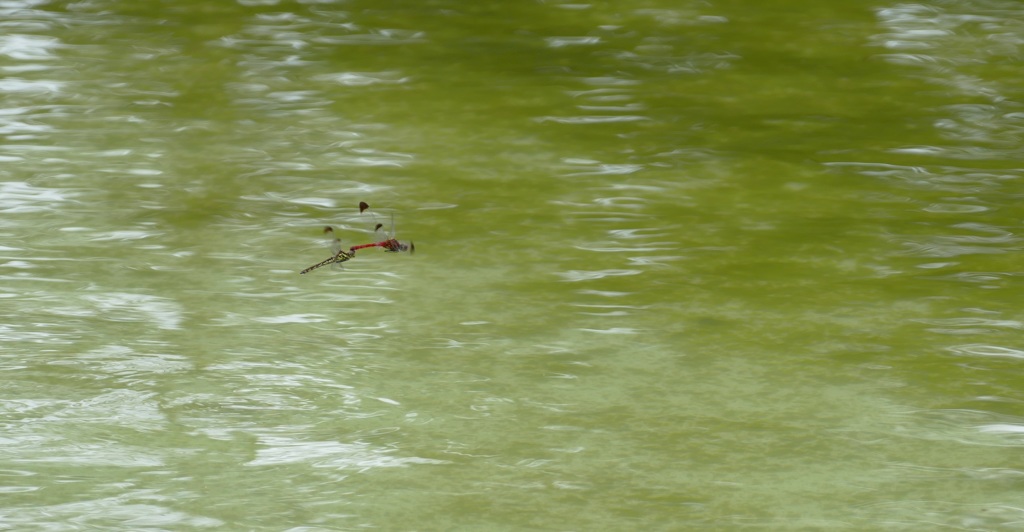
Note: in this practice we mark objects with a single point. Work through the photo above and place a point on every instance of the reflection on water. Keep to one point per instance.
(677, 266)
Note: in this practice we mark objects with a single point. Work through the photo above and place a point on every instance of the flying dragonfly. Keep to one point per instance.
(339, 255)
(385, 240)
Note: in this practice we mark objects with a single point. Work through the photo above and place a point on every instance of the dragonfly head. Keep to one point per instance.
(391, 246)
(395, 246)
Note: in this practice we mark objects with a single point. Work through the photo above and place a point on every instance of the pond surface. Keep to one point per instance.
(679, 265)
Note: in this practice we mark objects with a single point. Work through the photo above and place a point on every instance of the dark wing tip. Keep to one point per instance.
(412, 248)
(363, 206)
(328, 229)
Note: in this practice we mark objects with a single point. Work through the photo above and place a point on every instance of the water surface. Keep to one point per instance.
(697, 265)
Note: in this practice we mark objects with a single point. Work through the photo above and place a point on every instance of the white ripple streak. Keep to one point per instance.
(593, 119)
(359, 455)
(590, 275)
(28, 47)
(120, 306)
(987, 351)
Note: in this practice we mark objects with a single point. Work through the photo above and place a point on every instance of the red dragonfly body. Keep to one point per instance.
(385, 241)
(389, 243)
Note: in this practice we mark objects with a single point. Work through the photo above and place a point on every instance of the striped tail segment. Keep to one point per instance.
(338, 257)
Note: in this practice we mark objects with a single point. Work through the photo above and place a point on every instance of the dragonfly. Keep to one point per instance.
(388, 241)
(339, 256)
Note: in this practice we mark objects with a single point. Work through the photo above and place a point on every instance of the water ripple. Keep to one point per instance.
(987, 351)
(162, 312)
(292, 318)
(28, 47)
(591, 275)
(360, 456)
(944, 178)
(34, 87)
(614, 330)
(1000, 241)
(598, 168)
(592, 119)
(973, 322)
(954, 208)
(561, 42)
(945, 46)
(17, 197)
(362, 79)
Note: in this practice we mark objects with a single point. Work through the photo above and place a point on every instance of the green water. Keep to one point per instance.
(680, 265)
